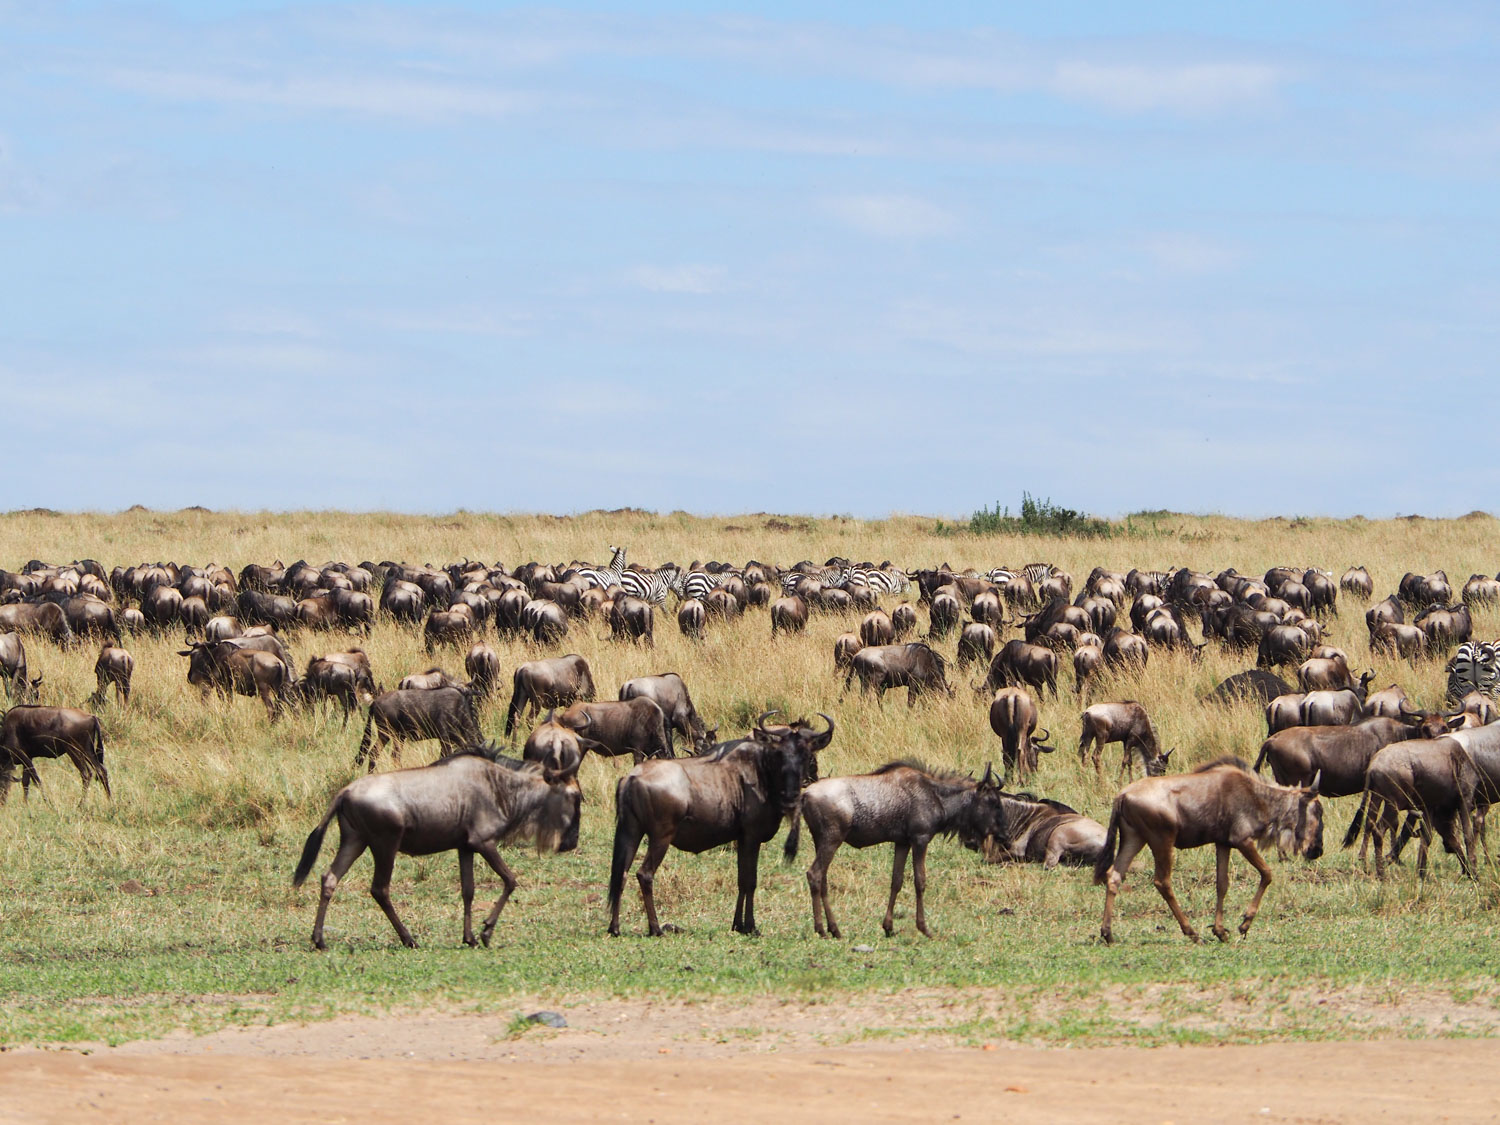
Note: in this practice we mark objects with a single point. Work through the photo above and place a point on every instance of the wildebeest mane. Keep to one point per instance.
(1224, 760)
(922, 768)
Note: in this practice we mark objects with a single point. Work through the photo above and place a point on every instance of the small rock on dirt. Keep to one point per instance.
(547, 1019)
(862, 949)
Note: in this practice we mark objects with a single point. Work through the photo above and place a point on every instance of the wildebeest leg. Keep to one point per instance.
(384, 854)
(898, 874)
(1374, 832)
(1423, 845)
(919, 883)
(749, 875)
(351, 847)
(1455, 841)
(1131, 842)
(507, 877)
(656, 851)
(817, 885)
(466, 888)
(1221, 888)
(1083, 748)
(1162, 881)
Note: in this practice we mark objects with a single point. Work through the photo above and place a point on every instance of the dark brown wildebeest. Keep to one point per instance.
(1435, 778)
(1389, 703)
(1284, 712)
(1283, 644)
(1445, 626)
(430, 680)
(1356, 580)
(723, 605)
(1037, 830)
(468, 803)
(331, 679)
(405, 601)
(976, 644)
(905, 804)
(548, 683)
(446, 714)
(1221, 803)
(635, 726)
(45, 619)
(632, 619)
(692, 618)
(13, 667)
(1019, 664)
(557, 747)
(738, 793)
(91, 616)
(547, 621)
(1481, 589)
(988, 609)
(1126, 723)
(1424, 589)
(1398, 640)
(1332, 708)
(1123, 649)
(1013, 718)
(1321, 673)
(1088, 659)
(946, 613)
(223, 628)
(904, 620)
(256, 608)
(845, 647)
(233, 668)
(876, 629)
(29, 732)
(1478, 709)
(1255, 685)
(113, 666)
(1323, 594)
(162, 606)
(482, 666)
(914, 666)
(448, 627)
(788, 615)
(668, 692)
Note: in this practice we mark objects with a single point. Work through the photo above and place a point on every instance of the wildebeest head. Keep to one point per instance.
(985, 825)
(794, 753)
(1157, 766)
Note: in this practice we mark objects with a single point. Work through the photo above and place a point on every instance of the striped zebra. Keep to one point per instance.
(700, 582)
(653, 585)
(836, 577)
(1474, 667)
(610, 575)
(879, 581)
(1037, 573)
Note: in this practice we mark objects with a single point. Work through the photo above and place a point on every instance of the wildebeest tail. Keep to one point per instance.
(517, 700)
(1260, 759)
(314, 844)
(1106, 858)
(1359, 819)
(624, 850)
(97, 746)
(364, 739)
(793, 834)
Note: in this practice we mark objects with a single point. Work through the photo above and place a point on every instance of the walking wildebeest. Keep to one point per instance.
(1435, 778)
(29, 732)
(548, 683)
(468, 803)
(1013, 716)
(1037, 830)
(901, 803)
(633, 726)
(738, 793)
(1019, 664)
(446, 714)
(1221, 803)
(913, 665)
(230, 668)
(114, 666)
(669, 693)
(1126, 723)
(13, 667)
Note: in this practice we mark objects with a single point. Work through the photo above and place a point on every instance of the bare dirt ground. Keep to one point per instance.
(749, 1061)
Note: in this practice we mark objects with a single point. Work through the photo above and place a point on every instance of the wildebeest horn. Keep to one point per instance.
(988, 773)
(829, 728)
(760, 722)
(1405, 711)
(1046, 734)
(1317, 779)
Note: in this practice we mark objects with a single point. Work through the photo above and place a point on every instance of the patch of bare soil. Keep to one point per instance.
(759, 1060)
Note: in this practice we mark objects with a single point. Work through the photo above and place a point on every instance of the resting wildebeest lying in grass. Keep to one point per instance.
(1221, 803)
(30, 732)
(468, 802)
(1036, 830)
(737, 793)
(901, 803)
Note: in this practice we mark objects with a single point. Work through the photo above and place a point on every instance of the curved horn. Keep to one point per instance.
(1046, 734)
(1316, 781)
(828, 729)
(988, 773)
(760, 722)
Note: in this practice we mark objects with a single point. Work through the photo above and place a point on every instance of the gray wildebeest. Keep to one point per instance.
(668, 692)
(1221, 803)
(468, 803)
(901, 803)
(914, 666)
(13, 668)
(114, 667)
(446, 714)
(738, 793)
(1434, 778)
(1013, 718)
(30, 732)
(1126, 723)
(1037, 830)
(548, 683)
(231, 668)
(634, 726)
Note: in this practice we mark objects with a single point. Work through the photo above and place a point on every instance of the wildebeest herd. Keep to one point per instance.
(1328, 736)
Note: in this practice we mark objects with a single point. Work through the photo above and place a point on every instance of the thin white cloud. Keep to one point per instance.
(1191, 89)
(892, 216)
(678, 279)
(1178, 252)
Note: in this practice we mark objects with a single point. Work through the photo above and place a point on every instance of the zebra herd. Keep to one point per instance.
(653, 586)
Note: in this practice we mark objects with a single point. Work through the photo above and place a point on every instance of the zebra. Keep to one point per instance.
(1037, 573)
(1474, 667)
(700, 582)
(653, 585)
(610, 575)
(835, 577)
(879, 581)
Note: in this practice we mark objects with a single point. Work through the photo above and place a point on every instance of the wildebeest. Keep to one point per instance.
(1339, 755)
(692, 618)
(333, 679)
(1356, 580)
(1126, 723)
(230, 667)
(482, 666)
(1284, 712)
(1255, 684)
(1221, 803)
(788, 615)
(430, 680)
(1019, 664)
(45, 619)
(468, 803)
(976, 644)
(904, 620)
(845, 647)
(1088, 659)
(1124, 649)
(1434, 778)
(632, 619)
(1013, 716)
(913, 666)
(547, 621)
(448, 626)
(446, 714)
(1036, 830)
(548, 683)
(901, 803)
(29, 732)
(256, 608)
(1283, 644)
(13, 666)
(738, 793)
(876, 629)
(113, 666)
(946, 612)
(1389, 702)
(555, 746)
(633, 726)
(670, 693)
(1398, 640)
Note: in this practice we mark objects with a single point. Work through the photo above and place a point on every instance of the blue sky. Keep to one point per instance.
(854, 258)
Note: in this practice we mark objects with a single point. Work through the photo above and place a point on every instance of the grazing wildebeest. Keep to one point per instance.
(1037, 830)
(1019, 664)
(13, 666)
(738, 793)
(1332, 708)
(1221, 803)
(1124, 649)
(669, 693)
(1013, 718)
(1088, 659)
(43, 618)
(845, 647)
(901, 803)
(549, 683)
(1389, 702)
(1126, 723)
(256, 608)
(446, 714)
(114, 666)
(788, 615)
(557, 747)
(976, 644)
(913, 666)
(29, 732)
(1398, 640)
(876, 629)
(448, 627)
(633, 726)
(1283, 644)
(1284, 712)
(482, 666)
(1356, 580)
(692, 618)
(946, 612)
(632, 618)
(904, 620)
(1434, 778)
(547, 620)
(231, 668)
(468, 802)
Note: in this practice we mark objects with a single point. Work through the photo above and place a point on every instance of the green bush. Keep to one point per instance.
(1039, 517)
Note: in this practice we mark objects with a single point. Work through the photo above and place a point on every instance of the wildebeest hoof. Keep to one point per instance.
(471, 941)
(1192, 936)
(1221, 933)
(319, 945)
(410, 943)
(485, 937)
(1107, 937)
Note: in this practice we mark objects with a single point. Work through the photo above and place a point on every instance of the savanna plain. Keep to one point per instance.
(170, 910)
